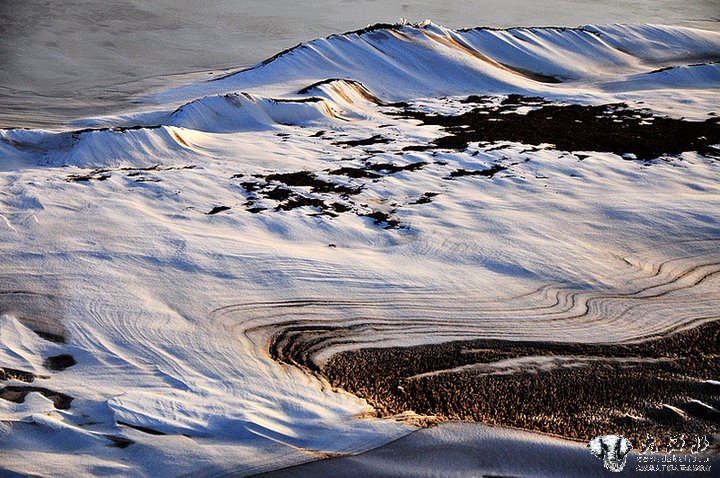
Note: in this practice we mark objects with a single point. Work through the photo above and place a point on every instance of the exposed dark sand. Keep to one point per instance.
(572, 390)
(17, 394)
(283, 189)
(376, 170)
(488, 173)
(59, 362)
(13, 374)
(377, 139)
(218, 209)
(614, 128)
(632, 133)
(309, 179)
(103, 174)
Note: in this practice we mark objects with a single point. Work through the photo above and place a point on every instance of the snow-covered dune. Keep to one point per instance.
(163, 249)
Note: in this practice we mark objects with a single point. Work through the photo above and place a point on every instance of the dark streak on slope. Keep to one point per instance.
(675, 67)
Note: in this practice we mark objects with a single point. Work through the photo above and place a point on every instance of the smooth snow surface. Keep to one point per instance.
(462, 449)
(161, 303)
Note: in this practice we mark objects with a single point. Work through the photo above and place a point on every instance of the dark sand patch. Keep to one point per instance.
(356, 173)
(17, 394)
(59, 362)
(279, 187)
(103, 174)
(573, 390)
(88, 177)
(376, 170)
(335, 199)
(309, 179)
(613, 128)
(217, 209)
(375, 139)
(384, 219)
(426, 198)
(488, 173)
(14, 374)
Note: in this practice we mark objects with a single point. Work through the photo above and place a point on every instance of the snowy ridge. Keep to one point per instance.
(402, 62)
(408, 61)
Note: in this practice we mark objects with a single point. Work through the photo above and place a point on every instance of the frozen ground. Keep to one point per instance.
(160, 248)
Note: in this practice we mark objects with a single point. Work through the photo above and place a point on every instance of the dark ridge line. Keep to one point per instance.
(326, 81)
(582, 28)
(103, 174)
(119, 442)
(369, 95)
(311, 99)
(155, 167)
(139, 428)
(114, 129)
(675, 67)
(533, 75)
(375, 139)
(231, 96)
(217, 209)
(265, 62)
(227, 96)
(378, 26)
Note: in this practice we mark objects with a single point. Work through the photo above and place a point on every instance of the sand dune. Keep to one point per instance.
(173, 251)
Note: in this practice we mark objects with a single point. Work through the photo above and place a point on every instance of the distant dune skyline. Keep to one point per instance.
(69, 59)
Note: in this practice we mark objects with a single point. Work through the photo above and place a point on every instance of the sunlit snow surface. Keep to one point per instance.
(167, 309)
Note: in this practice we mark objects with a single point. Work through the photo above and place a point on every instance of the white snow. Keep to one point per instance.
(161, 302)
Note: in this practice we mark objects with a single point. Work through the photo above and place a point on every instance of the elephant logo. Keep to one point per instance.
(612, 450)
